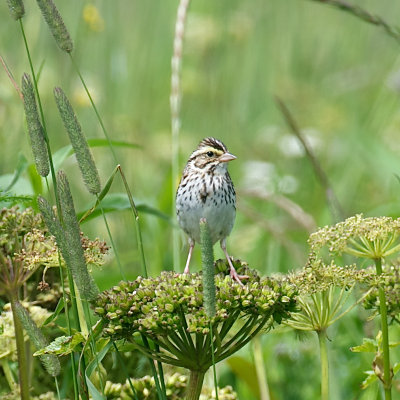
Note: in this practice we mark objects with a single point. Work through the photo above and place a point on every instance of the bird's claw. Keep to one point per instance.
(236, 277)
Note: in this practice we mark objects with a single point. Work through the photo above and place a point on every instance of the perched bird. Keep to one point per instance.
(206, 191)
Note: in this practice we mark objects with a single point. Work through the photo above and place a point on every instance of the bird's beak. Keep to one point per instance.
(226, 157)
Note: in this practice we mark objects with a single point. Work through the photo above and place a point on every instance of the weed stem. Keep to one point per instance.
(387, 378)
(324, 364)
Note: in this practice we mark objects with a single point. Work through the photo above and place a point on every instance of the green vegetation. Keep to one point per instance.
(305, 94)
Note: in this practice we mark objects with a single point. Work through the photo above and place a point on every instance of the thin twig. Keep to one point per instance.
(8, 72)
(333, 202)
(290, 207)
(364, 15)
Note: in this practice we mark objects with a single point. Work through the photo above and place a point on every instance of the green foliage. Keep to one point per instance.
(346, 102)
(375, 346)
(62, 345)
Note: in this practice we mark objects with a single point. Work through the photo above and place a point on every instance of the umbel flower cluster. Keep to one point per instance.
(390, 281)
(26, 245)
(8, 348)
(318, 277)
(373, 237)
(169, 310)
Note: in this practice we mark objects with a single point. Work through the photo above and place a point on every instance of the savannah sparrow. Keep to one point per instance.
(206, 191)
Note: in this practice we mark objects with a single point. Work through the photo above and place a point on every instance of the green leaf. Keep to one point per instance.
(53, 317)
(120, 202)
(371, 378)
(396, 368)
(62, 154)
(22, 164)
(100, 196)
(368, 346)
(62, 345)
(10, 199)
(246, 372)
(35, 179)
(96, 395)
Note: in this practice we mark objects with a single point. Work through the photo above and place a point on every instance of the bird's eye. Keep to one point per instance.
(210, 153)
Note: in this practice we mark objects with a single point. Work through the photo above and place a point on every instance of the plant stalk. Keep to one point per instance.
(8, 374)
(196, 379)
(324, 364)
(260, 369)
(387, 378)
(21, 351)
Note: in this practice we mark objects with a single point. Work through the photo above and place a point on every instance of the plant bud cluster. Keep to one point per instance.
(372, 237)
(170, 301)
(390, 282)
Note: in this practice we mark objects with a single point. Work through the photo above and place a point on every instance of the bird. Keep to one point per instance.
(206, 191)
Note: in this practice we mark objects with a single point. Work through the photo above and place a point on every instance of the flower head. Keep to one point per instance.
(317, 277)
(373, 237)
(390, 282)
(26, 245)
(169, 309)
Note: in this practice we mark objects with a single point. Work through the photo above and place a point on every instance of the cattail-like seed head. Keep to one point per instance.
(56, 24)
(49, 361)
(17, 9)
(207, 259)
(75, 255)
(83, 155)
(35, 128)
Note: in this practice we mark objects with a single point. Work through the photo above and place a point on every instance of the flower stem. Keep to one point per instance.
(387, 378)
(22, 360)
(195, 384)
(260, 369)
(8, 374)
(324, 364)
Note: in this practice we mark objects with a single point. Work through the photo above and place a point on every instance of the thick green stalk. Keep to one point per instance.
(207, 261)
(387, 378)
(195, 384)
(324, 365)
(22, 360)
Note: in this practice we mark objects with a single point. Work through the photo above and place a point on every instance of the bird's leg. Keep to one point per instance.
(191, 246)
(234, 275)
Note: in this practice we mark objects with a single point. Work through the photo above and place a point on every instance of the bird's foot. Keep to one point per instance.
(236, 277)
(186, 270)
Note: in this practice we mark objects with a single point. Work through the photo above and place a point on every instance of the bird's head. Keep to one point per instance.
(210, 154)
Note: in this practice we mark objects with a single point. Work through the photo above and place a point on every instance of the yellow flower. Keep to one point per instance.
(92, 17)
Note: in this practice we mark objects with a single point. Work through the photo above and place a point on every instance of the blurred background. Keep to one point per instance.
(340, 78)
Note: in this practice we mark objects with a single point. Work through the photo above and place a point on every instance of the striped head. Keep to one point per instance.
(210, 154)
